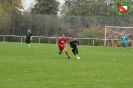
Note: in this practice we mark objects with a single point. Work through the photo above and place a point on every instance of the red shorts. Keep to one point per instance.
(61, 47)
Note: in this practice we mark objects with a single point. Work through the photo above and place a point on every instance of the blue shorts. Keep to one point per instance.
(124, 43)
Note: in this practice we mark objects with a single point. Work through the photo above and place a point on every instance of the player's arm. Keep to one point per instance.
(58, 42)
(126, 37)
(24, 36)
(71, 45)
(121, 39)
(77, 42)
(31, 37)
(65, 41)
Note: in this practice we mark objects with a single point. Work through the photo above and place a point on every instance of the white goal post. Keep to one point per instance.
(114, 33)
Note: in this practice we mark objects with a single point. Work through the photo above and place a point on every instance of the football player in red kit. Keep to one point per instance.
(61, 44)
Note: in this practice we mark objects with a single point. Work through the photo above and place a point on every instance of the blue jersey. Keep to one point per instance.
(124, 38)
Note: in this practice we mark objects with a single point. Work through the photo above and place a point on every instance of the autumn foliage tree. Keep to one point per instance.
(7, 8)
(10, 6)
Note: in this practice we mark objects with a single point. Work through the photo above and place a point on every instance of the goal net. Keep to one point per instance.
(113, 35)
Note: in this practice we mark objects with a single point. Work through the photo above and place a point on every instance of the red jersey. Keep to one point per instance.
(62, 41)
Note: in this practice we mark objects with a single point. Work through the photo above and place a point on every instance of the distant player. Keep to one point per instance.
(74, 44)
(28, 38)
(124, 41)
(61, 44)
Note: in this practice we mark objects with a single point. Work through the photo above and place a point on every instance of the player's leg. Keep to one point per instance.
(64, 48)
(28, 43)
(60, 50)
(124, 45)
(74, 52)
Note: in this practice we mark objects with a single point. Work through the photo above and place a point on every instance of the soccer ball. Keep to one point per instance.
(78, 58)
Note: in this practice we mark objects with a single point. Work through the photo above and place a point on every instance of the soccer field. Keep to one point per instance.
(42, 67)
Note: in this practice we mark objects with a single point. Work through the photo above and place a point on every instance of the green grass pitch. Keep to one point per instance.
(42, 67)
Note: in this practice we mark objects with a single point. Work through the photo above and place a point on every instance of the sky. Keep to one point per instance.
(27, 3)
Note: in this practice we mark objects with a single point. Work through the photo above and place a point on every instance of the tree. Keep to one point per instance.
(45, 25)
(88, 7)
(10, 6)
(64, 10)
(7, 8)
(92, 32)
(45, 7)
(84, 9)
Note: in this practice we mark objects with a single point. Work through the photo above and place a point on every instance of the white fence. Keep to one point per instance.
(22, 38)
(40, 38)
(53, 40)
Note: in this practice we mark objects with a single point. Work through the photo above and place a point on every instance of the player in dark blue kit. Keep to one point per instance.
(124, 41)
(74, 44)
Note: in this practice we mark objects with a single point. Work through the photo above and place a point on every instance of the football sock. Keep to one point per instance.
(60, 52)
(28, 45)
(76, 55)
(67, 53)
